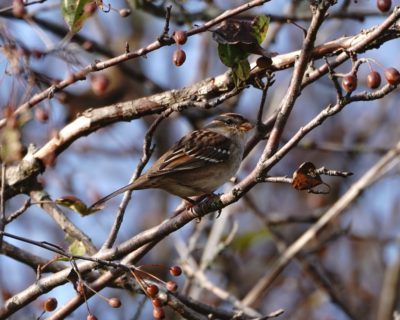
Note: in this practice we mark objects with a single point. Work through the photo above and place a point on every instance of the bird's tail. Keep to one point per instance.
(99, 204)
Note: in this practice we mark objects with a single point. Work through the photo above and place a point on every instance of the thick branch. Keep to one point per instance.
(81, 75)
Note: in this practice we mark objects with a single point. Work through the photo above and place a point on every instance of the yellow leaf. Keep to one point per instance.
(77, 248)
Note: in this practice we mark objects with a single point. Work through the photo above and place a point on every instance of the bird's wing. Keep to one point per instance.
(197, 149)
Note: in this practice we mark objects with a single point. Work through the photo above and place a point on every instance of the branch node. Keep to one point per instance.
(164, 38)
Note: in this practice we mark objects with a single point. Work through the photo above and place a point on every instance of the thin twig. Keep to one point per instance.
(334, 79)
(3, 220)
(333, 173)
(14, 215)
(147, 152)
(278, 179)
(164, 37)
(267, 85)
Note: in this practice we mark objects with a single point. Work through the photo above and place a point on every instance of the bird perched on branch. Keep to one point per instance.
(199, 162)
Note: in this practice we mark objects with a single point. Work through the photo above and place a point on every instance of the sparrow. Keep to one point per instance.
(198, 163)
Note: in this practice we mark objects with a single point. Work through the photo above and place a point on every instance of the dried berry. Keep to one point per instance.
(180, 37)
(392, 76)
(384, 5)
(114, 302)
(171, 286)
(373, 80)
(179, 57)
(349, 83)
(264, 62)
(158, 313)
(175, 271)
(152, 290)
(50, 304)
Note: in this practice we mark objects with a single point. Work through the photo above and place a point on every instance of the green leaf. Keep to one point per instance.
(74, 13)
(77, 248)
(242, 70)
(234, 57)
(237, 40)
(260, 28)
(230, 55)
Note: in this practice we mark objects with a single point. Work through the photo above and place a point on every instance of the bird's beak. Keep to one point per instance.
(246, 127)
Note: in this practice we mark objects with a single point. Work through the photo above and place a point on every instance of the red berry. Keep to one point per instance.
(392, 76)
(180, 37)
(50, 304)
(179, 57)
(373, 80)
(175, 271)
(157, 302)
(100, 83)
(171, 286)
(152, 290)
(349, 83)
(158, 313)
(114, 302)
(384, 5)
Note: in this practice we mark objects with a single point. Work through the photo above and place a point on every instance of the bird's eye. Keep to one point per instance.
(229, 122)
